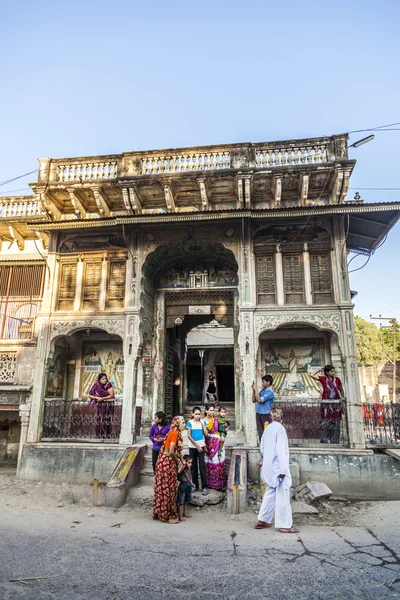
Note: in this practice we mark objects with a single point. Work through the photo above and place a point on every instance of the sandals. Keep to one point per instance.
(291, 530)
(261, 525)
(173, 521)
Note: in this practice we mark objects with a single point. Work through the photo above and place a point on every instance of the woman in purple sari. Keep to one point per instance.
(101, 395)
(215, 456)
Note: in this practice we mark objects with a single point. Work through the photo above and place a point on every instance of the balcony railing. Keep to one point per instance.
(77, 420)
(20, 207)
(311, 151)
(381, 424)
(304, 425)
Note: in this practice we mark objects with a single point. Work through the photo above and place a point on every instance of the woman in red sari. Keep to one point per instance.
(166, 482)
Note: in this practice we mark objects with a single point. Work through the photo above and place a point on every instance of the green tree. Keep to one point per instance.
(369, 343)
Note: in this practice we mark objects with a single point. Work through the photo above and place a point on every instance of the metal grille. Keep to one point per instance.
(381, 424)
(75, 419)
(304, 425)
(265, 279)
(21, 292)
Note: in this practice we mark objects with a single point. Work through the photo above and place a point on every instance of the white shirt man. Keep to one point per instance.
(275, 473)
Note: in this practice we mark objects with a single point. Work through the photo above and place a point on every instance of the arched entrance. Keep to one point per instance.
(291, 353)
(189, 284)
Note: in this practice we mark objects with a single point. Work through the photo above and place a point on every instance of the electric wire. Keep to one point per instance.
(19, 177)
(379, 128)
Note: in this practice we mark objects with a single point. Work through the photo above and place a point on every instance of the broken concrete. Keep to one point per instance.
(312, 491)
(213, 497)
(303, 508)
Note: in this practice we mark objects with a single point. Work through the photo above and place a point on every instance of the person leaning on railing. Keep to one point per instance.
(331, 412)
(101, 394)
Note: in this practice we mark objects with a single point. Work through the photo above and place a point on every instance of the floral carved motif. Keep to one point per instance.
(114, 326)
(324, 321)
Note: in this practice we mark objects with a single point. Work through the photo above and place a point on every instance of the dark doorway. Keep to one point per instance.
(194, 385)
(226, 385)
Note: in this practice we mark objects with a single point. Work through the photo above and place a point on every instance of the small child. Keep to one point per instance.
(185, 486)
(223, 426)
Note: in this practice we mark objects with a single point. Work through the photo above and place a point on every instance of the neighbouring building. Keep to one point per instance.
(156, 267)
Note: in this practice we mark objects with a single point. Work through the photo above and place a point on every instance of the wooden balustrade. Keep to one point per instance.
(183, 162)
(274, 156)
(87, 171)
(19, 207)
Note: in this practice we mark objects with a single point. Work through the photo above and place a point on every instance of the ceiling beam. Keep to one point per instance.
(169, 198)
(240, 192)
(304, 185)
(17, 237)
(334, 196)
(77, 204)
(277, 190)
(127, 202)
(247, 191)
(101, 202)
(204, 193)
(48, 205)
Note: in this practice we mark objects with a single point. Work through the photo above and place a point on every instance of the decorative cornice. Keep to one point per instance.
(324, 321)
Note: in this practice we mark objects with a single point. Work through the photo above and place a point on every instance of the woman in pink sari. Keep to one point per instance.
(101, 395)
(215, 457)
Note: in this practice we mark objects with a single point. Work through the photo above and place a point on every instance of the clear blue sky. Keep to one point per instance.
(82, 78)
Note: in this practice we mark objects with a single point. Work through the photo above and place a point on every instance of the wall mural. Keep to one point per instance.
(290, 364)
(185, 277)
(56, 376)
(103, 357)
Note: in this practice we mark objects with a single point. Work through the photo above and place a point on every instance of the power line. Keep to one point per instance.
(19, 177)
(379, 128)
(376, 189)
(18, 190)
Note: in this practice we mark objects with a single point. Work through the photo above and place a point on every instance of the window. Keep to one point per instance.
(66, 290)
(21, 291)
(91, 285)
(116, 284)
(321, 280)
(293, 278)
(265, 274)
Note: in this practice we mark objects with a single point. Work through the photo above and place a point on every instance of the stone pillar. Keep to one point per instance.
(103, 284)
(39, 382)
(131, 360)
(24, 411)
(280, 287)
(160, 334)
(307, 276)
(79, 285)
(352, 383)
(248, 359)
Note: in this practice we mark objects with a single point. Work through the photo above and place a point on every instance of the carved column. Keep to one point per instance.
(160, 354)
(248, 352)
(79, 285)
(307, 275)
(24, 411)
(131, 360)
(280, 287)
(39, 382)
(103, 284)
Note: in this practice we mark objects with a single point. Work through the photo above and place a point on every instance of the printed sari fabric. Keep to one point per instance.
(166, 482)
(215, 460)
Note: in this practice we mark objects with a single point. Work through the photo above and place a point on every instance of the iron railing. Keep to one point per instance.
(304, 423)
(77, 420)
(381, 423)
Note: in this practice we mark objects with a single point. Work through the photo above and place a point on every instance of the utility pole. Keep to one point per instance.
(394, 327)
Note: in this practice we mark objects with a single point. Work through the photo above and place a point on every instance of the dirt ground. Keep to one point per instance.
(55, 545)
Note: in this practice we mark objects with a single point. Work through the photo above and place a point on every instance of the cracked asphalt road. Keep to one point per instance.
(212, 555)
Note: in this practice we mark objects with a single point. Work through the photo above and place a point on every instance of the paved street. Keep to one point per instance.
(211, 556)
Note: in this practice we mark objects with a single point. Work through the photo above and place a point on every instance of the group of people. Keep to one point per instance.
(177, 476)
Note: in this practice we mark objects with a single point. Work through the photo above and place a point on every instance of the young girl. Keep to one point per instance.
(211, 392)
(157, 435)
(215, 458)
(197, 432)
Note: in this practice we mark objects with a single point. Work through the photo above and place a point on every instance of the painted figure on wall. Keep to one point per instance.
(106, 357)
(291, 364)
(55, 379)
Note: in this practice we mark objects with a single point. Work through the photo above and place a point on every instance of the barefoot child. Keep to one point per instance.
(185, 486)
(223, 426)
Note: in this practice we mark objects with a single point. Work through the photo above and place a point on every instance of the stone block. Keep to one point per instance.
(295, 473)
(214, 497)
(312, 491)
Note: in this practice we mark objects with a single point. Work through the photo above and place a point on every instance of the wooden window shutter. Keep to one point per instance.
(265, 273)
(66, 290)
(91, 285)
(293, 278)
(116, 284)
(321, 278)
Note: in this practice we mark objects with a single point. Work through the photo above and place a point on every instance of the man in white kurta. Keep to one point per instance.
(275, 473)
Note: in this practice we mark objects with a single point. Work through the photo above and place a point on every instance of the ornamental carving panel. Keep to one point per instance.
(8, 365)
(323, 321)
(113, 326)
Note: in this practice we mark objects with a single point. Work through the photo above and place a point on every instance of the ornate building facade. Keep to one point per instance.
(116, 259)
